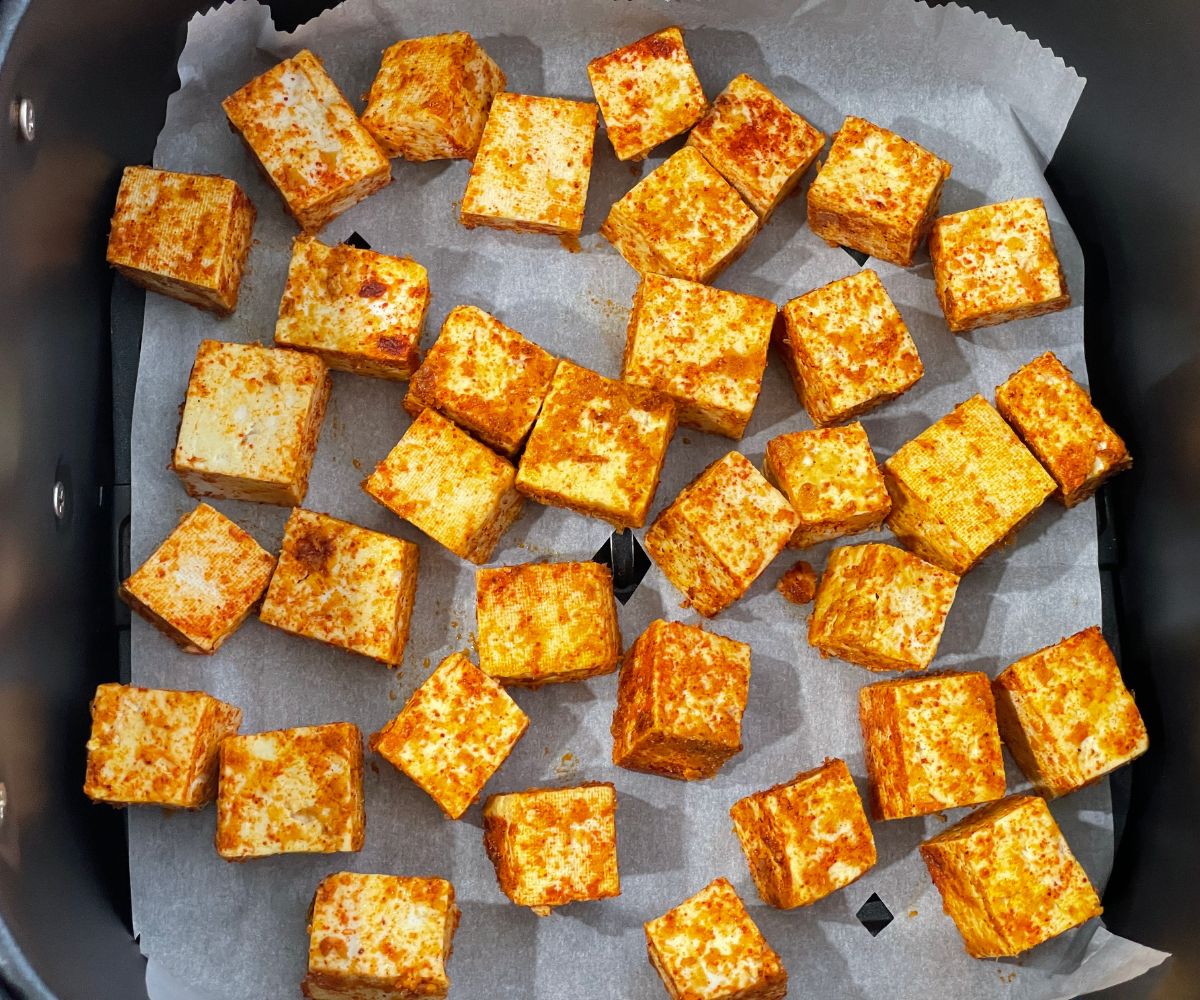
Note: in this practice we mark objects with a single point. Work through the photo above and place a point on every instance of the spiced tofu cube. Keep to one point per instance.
(539, 623)
(344, 585)
(291, 791)
(182, 235)
(156, 747)
(963, 486)
(1008, 878)
(552, 846)
(704, 347)
(720, 533)
(798, 585)
(805, 838)
(202, 582)
(250, 422)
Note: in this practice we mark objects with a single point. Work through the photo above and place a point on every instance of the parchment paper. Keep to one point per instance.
(978, 93)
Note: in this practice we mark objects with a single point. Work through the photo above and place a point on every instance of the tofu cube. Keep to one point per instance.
(540, 623)
(453, 734)
(708, 948)
(1056, 420)
(847, 349)
(202, 582)
(291, 791)
(720, 533)
(680, 699)
(881, 607)
(704, 347)
(456, 490)
(683, 219)
(553, 846)
(798, 585)
(308, 140)
(648, 92)
(533, 166)
(152, 747)
(485, 377)
(831, 479)
(359, 310)
(344, 585)
(380, 937)
(996, 263)
(757, 143)
(805, 838)
(182, 235)
(597, 447)
(431, 97)
(250, 422)
(963, 486)
(1066, 715)
(1008, 878)
(931, 743)
(876, 193)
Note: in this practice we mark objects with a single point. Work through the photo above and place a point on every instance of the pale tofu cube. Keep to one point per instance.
(291, 791)
(552, 846)
(877, 192)
(308, 140)
(182, 235)
(798, 585)
(540, 623)
(963, 486)
(720, 533)
(344, 585)
(1008, 878)
(597, 447)
(250, 422)
(805, 838)
(704, 347)
(202, 582)
(152, 747)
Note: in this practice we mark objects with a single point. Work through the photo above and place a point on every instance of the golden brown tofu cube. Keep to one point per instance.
(683, 219)
(704, 347)
(156, 747)
(344, 585)
(380, 937)
(456, 490)
(250, 422)
(831, 478)
(308, 140)
(648, 91)
(553, 846)
(533, 167)
(485, 377)
(876, 193)
(881, 607)
(202, 582)
(847, 349)
(1066, 715)
(431, 97)
(359, 310)
(798, 585)
(1008, 879)
(540, 623)
(931, 743)
(805, 838)
(453, 734)
(708, 948)
(759, 144)
(996, 263)
(183, 235)
(597, 447)
(680, 699)
(291, 791)
(1057, 421)
(963, 486)
(720, 533)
